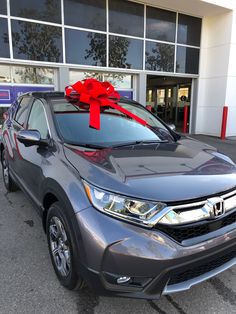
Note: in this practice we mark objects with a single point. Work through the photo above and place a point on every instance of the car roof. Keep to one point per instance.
(57, 94)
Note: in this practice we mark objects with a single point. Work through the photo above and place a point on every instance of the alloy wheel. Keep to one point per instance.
(59, 246)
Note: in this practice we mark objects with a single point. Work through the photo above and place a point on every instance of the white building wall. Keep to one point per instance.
(231, 82)
(217, 76)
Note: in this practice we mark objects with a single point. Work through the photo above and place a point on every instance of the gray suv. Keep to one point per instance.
(132, 210)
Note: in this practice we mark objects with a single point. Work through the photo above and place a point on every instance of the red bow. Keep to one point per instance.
(97, 95)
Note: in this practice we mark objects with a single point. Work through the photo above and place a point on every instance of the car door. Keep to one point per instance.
(17, 123)
(34, 158)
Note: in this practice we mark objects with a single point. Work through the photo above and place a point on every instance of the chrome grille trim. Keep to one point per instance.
(191, 210)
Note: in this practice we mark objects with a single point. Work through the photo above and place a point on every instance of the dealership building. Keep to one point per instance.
(167, 54)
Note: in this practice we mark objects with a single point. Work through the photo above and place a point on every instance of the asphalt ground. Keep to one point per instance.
(29, 285)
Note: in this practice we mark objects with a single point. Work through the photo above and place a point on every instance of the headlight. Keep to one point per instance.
(133, 210)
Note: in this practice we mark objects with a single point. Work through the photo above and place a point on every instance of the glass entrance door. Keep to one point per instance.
(167, 98)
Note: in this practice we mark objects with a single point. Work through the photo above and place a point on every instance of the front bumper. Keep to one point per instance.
(156, 264)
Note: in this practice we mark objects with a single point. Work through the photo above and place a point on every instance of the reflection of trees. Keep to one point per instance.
(161, 58)
(97, 49)
(35, 75)
(38, 41)
(118, 50)
(48, 12)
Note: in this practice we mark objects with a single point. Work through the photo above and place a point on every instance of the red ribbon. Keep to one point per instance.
(98, 94)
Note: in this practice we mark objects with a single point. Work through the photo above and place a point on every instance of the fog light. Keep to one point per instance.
(122, 280)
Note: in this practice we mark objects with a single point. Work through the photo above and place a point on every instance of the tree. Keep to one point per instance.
(38, 41)
(161, 58)
(118, 50)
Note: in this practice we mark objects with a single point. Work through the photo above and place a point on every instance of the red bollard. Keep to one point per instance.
(224, 122)
(185, 126)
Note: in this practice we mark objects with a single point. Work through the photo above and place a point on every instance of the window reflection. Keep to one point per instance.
(76, 75)
(5, 74)
(118, 80)
(86, 48)
(32, 75)
(126, 18)
(33, 41)
(4, 41)
(3, 7)
(189, 30)
(161, 24)
(45, 10)
(86, 13)
(187, 60)
(125, 52)
(159, 57)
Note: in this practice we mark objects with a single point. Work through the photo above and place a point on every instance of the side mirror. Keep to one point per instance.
(172, 127)
(30, 138)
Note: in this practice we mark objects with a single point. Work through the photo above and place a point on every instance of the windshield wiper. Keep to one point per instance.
(93, 146)
(139, 143)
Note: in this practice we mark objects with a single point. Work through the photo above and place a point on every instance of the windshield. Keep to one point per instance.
(72, 122)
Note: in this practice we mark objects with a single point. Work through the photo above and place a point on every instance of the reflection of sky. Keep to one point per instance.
(183, 34)
(3, 7)
(161, 30)
(181, 59)
(126, 18)
(40, 9)
(88, 14)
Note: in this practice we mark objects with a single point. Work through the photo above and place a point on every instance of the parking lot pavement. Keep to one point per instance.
(28, 283)
(227, 146)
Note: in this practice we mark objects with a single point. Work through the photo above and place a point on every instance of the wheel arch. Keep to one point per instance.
(52, 192)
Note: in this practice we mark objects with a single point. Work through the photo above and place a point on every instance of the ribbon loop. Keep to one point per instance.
(97, 95)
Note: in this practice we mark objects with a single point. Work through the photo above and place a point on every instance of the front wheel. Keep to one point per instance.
(7, 179)
(62, 248)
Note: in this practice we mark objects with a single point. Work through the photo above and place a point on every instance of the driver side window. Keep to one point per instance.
(37, 120)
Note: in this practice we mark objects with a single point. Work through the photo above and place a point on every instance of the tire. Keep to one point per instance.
(62, 247)
(9, 183)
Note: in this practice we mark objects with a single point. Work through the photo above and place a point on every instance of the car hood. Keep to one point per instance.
(169, 172)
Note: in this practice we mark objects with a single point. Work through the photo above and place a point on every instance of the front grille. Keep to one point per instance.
(191, 272)
(189, 231)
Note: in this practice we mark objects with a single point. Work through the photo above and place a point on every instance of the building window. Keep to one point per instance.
(86, 13)
(32, 75)
(187, 60)
(33, 41)
(119, 80)
(85, 48)
(5, 74)
(189, 30)
(43, 10)
(126, 18)
(122, 82)
(125, 52)
(161, 24)
(159, 57)
(4, 41)
(3, 7)
(75, 75)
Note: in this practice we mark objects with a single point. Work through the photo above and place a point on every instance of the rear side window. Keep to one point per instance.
(21, 113)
